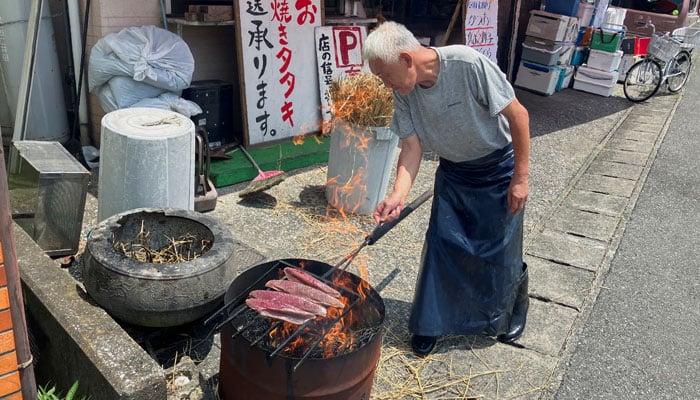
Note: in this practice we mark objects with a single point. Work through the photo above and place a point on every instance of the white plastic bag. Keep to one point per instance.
(147, 54)
(173, 102)
(122, 92)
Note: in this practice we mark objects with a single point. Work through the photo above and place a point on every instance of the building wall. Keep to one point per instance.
(10, 383)
(212, 46)
(105, 17)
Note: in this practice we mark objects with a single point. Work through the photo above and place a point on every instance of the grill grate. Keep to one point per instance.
(258, 330)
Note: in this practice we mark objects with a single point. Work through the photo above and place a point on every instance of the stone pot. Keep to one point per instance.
(158, 295)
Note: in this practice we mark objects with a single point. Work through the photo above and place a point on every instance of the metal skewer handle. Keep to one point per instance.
(384, 227)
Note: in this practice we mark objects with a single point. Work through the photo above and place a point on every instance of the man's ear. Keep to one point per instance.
(406, 58)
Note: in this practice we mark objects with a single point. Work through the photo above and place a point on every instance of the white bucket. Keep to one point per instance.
(146, 160)
(360, 162)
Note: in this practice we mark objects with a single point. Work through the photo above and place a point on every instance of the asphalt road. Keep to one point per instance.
(639, 341)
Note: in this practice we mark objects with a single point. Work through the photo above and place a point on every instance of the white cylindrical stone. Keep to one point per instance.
(146, 160)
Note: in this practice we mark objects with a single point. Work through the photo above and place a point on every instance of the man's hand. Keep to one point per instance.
(389, 209)
(517, 194)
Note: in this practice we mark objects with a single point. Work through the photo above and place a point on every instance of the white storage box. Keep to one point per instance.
(566, 72)
(541, 51)
(595, 81)
(626, 62)
(551, 26)
(585, 13)
(566, 54)
(537, 77)
(604, 60)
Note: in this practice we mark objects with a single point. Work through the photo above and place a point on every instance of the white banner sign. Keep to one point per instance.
(338, 53)
(276, 40)
(481, 26)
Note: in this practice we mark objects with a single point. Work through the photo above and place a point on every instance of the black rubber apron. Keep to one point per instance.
(472, 256)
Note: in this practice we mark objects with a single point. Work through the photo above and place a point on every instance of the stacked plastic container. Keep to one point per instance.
(599, 73)
(547, 49)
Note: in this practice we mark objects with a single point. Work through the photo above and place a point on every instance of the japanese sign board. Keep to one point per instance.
(338, 53)
(481, 26)
(279, 92)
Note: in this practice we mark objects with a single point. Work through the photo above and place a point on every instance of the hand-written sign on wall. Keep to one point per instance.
(481, 26)
(276, 42)
(338, 53)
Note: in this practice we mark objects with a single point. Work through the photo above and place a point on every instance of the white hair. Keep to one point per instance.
(387, 41)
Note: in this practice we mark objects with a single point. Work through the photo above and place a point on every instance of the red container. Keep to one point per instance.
(640, 45)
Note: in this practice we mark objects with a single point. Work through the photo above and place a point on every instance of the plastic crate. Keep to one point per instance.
(565, 7)
(607, 39)
(538, 78)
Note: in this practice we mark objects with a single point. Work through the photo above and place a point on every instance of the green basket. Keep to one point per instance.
(606, 40)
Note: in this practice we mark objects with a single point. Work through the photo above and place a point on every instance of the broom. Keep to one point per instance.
(264, 180)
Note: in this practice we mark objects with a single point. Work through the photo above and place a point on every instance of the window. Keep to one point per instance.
(672, 7)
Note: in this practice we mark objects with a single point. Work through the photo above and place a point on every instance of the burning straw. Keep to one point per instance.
(186, 247)
(362, 99)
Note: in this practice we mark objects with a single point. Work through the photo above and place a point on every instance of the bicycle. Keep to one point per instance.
(668, 61)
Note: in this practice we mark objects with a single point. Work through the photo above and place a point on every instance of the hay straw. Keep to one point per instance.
(361, 99)
(186, 247)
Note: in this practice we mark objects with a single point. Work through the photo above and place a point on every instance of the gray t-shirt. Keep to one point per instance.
(459, 117)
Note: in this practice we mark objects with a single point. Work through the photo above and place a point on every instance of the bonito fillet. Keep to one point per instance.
(304, 277)
(282, 312)
(305, 291)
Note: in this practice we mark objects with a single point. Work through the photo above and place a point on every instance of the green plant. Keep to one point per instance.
(46, 393)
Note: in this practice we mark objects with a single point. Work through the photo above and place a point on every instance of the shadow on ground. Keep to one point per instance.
(567, 108)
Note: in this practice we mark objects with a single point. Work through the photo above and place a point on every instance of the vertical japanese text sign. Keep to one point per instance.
(338, 53)
(481, 26)
(276, 57)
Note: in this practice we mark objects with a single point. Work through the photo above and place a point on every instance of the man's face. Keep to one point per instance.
(398, 76)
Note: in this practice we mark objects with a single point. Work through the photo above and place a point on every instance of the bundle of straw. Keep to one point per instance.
(361, 99)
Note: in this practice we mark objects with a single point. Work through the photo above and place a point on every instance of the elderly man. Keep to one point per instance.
(456, 102)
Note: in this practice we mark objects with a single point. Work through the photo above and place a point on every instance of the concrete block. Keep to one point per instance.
(615, 169)
(568, 249)
(548, 326)
(622, 156)
(631, 145)
(76, 340)
(606, 184)
(584, 223)
(596, 202)
(561, 284)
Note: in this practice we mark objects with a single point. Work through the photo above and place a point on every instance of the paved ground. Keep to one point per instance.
(639, 340)
(590, 158)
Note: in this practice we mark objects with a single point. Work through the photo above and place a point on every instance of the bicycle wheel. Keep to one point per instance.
(643, 80)
(678, 71)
